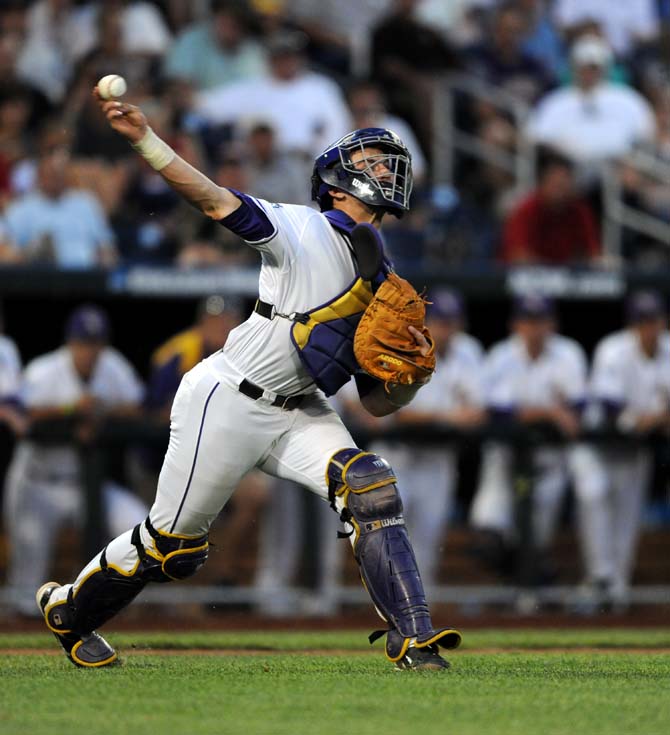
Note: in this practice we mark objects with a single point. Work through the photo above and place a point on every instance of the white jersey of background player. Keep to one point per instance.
(630, 389)
(256, 403)
(10, 385)
(548, 386)
(453, 398)
(43, 489)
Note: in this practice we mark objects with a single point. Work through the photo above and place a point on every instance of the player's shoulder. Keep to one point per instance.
(504, 350)
(50, 363)
(468, 348)
(8, 348)
(567, 347)
(616, 344)
(179, 345)
(113, 360)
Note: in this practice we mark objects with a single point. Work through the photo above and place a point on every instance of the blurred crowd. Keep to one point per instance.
(251, 90)
(554, 441)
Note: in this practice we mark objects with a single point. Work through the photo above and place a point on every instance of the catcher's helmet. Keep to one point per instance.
(338, 167)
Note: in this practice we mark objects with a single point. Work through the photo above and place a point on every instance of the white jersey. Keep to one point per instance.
(457, 380)
(51, 380)
(624, 377)
(513, 380)
(10, 369)
(305, 263)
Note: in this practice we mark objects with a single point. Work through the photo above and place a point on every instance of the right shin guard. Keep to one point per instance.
(365, 484)
(108, 588)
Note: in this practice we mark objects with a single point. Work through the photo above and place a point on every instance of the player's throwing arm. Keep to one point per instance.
(200, 191)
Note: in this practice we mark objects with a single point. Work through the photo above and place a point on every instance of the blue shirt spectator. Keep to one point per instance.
(216, 53)
(57, 224)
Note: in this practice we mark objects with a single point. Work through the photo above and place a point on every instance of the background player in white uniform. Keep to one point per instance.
(533, 376)
(88, 380)
(256, 403)
(453, 398)
(630, 389)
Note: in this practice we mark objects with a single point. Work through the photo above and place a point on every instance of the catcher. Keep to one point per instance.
(259, 402)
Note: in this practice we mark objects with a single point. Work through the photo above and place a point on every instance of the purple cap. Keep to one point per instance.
(642, 305)
(87, 324)
(445, 304)
(533, 306)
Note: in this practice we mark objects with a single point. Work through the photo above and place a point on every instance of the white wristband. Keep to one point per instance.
(155, 151)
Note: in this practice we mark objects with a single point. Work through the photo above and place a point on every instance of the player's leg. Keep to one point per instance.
(206, 457)
(548, 494)
(319, 453)
(281, 540)
(493, 504)
(123, 509)
(427, 480)
(33, 515)
(588, 467)
(631, 476)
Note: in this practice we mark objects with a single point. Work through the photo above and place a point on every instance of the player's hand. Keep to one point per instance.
(421, 341)
(128, 120)
(566, 421)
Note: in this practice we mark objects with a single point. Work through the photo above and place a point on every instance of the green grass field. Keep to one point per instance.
(513, 682)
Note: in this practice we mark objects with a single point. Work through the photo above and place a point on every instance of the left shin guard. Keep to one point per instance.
(366, 486)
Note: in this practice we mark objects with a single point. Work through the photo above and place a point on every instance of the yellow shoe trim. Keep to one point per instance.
(439, 636)
(78, 645)
(403, 651)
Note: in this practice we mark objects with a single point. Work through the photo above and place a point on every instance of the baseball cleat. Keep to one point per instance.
(88, 650)
(422, 659)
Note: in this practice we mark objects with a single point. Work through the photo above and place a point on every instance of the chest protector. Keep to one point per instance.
(324, 336)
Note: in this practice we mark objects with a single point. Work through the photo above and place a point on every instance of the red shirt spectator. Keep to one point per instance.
(553, 224)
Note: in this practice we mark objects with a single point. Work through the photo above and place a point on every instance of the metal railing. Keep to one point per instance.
(449, 141)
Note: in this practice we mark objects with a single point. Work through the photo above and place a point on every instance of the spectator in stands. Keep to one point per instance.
(58, 224)
(306, 109)
(502, 61)
(218, 51)
(369, 110)
(339, 32)
(542, 39)
(535, 380)
(407, 54)
(592, 120)
(272, 174)
(216, 317)
(85, 381)
(454, 399)
(630, 391)
(15, 107)
(624, 23)
(553, 224)
(12, 36)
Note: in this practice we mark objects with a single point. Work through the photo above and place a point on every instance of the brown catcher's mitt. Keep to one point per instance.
(383, 344)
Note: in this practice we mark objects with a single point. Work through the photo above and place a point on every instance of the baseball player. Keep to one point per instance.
(630, 390)
(453, 398)
(260, 401)
(87, 379)
(534, 376)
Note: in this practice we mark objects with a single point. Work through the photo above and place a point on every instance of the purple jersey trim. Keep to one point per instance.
(249, 221)
(195, 459)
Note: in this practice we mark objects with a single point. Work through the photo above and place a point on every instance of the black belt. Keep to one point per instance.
(255, 392)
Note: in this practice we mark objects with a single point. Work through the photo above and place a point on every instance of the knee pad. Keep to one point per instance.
(366, 486)
(172, 556)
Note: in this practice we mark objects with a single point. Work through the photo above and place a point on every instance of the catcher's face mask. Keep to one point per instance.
(372, 164)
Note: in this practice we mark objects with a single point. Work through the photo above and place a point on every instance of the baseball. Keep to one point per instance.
(112, 86)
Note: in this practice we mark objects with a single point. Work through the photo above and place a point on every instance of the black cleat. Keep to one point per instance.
(88, 650)
(422, 659)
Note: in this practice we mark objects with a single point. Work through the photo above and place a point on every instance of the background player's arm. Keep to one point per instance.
(212, 200)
